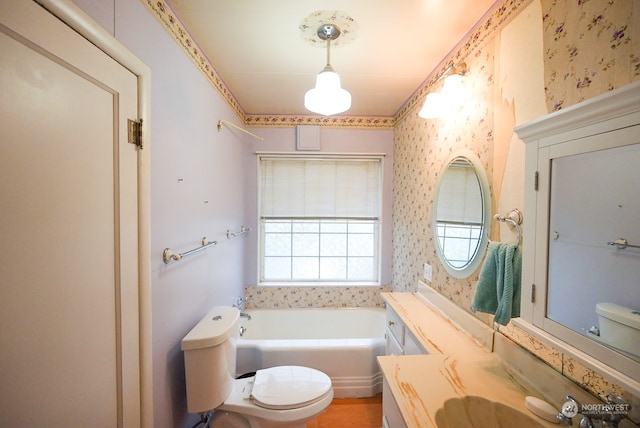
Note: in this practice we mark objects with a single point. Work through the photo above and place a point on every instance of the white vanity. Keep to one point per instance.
(452, 369)
(415, 329)
(400, 339)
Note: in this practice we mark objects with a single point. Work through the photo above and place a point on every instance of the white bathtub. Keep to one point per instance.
(343, 343)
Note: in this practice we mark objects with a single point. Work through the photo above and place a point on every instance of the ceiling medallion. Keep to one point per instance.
(346, 25)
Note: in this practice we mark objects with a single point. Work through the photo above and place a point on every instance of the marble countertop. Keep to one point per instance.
(436, 333)
(456, 366)
(425, 388)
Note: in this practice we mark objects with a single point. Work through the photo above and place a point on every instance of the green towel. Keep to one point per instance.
(498, 289)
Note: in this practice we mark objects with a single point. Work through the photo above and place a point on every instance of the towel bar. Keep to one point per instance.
(168, 256)
(514, 218)
(242, 231)
(622, 243)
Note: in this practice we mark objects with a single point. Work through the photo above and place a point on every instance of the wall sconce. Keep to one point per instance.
(437, 104)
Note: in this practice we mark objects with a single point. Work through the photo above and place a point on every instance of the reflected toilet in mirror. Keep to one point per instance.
(619, 327)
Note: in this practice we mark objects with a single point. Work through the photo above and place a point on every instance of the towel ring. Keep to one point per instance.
(514, 218)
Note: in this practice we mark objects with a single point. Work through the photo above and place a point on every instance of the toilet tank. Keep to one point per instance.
(619, 326)
(210, 358)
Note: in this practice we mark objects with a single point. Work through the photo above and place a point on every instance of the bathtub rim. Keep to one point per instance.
(346, 385)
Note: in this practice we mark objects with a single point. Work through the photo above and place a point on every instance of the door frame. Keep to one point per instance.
(77, 19)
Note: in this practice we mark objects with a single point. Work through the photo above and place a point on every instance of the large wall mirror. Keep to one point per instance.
(582, 240)
(461, 214)
(594, 250)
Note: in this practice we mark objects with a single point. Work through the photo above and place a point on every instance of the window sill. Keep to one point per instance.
(320, 284)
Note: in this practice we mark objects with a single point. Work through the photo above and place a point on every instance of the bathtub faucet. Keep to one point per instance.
(240, 303)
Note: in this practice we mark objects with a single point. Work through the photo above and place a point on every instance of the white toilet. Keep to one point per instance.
(284, 396)
(619, 327)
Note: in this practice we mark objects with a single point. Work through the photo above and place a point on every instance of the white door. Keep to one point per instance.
(69, 329)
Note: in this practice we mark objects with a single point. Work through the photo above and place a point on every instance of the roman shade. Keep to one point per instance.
(460, 196)
(321, 188)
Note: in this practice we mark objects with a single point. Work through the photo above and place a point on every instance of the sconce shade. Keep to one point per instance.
(452, 87)
(439, 104)
(328, 97)
(432, 107)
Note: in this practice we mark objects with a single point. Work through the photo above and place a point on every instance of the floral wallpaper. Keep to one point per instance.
(590, 46)
(421, 147)
(314, 297)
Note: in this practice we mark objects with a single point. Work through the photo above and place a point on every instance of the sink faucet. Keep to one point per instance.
(609, 414)
(569, 409)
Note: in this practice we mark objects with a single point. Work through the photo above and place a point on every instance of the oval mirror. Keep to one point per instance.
(462, 213)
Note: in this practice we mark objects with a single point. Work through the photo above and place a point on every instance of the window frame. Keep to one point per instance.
(470, 229)
(377, 223)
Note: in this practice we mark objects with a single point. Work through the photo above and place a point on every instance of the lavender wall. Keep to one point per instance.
(202, 183)
(197, 188)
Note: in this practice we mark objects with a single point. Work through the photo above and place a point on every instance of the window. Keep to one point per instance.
(459, 242)
(319, 219)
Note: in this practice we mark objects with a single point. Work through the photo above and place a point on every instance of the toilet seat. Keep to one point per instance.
(240, 401)
(289, 387)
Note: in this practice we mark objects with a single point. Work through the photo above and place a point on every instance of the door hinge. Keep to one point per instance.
(134, 132)
(533, 293)
(535, 181)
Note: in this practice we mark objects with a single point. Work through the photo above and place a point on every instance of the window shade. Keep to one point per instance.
(320, 188)
(460, 196)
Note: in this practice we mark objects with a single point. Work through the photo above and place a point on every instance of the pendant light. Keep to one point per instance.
(328, 97)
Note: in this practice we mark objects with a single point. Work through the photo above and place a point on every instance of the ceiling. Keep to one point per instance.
(268, 62)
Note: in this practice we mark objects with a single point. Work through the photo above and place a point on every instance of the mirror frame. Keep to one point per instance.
(485, 190)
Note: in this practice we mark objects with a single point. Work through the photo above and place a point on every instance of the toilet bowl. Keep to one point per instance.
(283, 396)
(619, 327)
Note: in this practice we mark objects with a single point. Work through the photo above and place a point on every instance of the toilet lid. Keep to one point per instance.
(289, 387)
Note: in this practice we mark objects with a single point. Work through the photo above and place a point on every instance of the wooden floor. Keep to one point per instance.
(351, 412)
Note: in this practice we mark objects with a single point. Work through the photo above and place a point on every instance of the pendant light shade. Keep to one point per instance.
(328, 97)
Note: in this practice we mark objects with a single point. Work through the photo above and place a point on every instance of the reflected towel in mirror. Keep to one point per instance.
(498, 289)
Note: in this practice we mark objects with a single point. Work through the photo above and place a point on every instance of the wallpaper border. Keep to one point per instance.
(488, 24)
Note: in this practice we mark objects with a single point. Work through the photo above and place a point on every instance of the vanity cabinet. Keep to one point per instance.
(416, 326)
(400, 340)
(394, 333)
(411, 345)
(391, 416)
